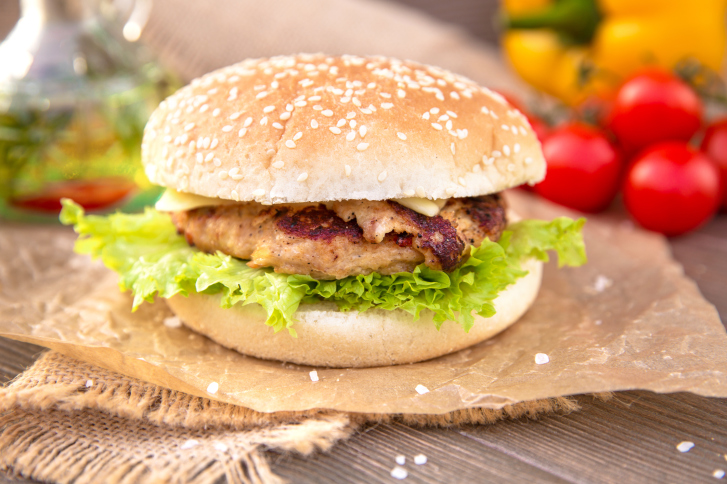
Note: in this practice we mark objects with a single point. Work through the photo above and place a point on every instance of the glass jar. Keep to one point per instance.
(74, 98)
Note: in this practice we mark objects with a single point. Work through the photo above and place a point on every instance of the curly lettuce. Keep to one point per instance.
(153, 260)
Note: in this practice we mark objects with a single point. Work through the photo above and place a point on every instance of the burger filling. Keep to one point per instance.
(348, 238)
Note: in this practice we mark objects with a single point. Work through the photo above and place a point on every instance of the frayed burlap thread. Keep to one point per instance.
(64, 420)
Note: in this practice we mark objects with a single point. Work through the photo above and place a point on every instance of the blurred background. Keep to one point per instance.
(626, 96)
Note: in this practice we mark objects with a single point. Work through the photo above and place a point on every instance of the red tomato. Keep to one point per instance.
(654, 106)
(583, 168)
(90, 194)
(672, 188)
(715, 145)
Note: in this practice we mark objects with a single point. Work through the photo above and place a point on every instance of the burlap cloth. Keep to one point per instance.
(67, 421)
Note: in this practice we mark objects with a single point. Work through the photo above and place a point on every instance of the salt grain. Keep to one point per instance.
(399, 473)
(189, 444)
(400, 459)
(172, 322)
(213, 387)
(420, 459)
(220, 446)
(421, 389)
(685, 446)
(541, 359)
(718, 474)
(313, 375)
(89, 383)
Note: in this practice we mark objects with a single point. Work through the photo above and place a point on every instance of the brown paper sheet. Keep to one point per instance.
(628, 320)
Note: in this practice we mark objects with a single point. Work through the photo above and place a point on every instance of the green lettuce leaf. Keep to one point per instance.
(153, 260)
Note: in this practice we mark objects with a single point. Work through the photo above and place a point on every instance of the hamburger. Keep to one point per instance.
(352, 201)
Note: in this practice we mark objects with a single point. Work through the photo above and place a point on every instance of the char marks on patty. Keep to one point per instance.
(340, 239)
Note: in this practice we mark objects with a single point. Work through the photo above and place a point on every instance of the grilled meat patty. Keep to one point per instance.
(340, 239)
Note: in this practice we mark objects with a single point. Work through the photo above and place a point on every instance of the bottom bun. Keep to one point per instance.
(329, 337)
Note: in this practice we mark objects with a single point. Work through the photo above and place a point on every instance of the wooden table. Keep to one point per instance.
(631, 438)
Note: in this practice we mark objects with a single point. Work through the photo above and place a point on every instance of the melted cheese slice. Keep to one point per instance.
(174, 201)
(424, 206)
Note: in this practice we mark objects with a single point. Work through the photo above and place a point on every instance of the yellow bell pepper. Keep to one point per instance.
(573, 49)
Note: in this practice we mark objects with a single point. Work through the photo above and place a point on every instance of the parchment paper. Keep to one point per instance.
(629, 319)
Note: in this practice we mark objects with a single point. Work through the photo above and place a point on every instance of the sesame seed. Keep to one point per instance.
(496, 154)
(301, 104)
(285, 116)
(451, 191)
(362, 146)
(362, 131)
(505, 127)
(227, 128)
(494, 115)
(167, 139)
(277, 125)
(409, 193)
(313, 123)
(385, 95)
(401, 136)
(200, 158)
(356, 102)
(382, 175)
(351, 115)
(268, 109)
(387, 105)
(365, 111)
(189, 127)
(421, 389)
(216, 112)
(334, 130)
(528, 160)
(234, 116)
(303, 177)
(213, 387)
(488, 161)
(451, 147)
(437, 126)
(347, 169)
(345, 99)
(327, 113)
(476, 168)
(352, 124)
(443, 117)
(297, 136)
(314, 98)
(289, 107)
(264, 121)
(522, 131)
(506, 150)
(511, 167)
(341, 122)
(290, 144)
(242, 132)
(401, 93)
(279, 164)
(258, 193)
(434, 110)
(214, 143)
(420, 192)
(516, 148)
(209, 156)
(452, 114)
(261, 95)
(351, 135)
(204, 108)
(192, 145)
(247, 123)
(449, 124)
(222, 175)
(317, 107)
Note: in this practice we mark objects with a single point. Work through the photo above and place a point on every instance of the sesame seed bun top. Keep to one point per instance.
(311, 128)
